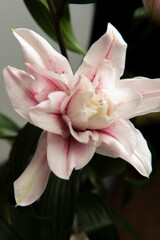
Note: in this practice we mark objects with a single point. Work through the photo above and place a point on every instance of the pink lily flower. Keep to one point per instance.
(80, 114)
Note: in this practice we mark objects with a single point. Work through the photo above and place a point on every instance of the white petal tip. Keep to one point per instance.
(146, 173)
(7, 68)
(19, 205)
(62, 176)
(17, 32)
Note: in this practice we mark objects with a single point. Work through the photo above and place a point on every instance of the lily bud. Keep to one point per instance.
(153, 9)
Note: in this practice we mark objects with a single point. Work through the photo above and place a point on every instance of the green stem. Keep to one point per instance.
(56, 22)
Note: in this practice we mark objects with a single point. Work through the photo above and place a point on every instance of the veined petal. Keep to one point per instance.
(105, 77)
(31, 184)
(117, 52)
(117, 140)
(127, 100)
(49, 77)
(125, 141)
(110, 46)
(18, 85)
(48, 117)
(150, 92)
(41, 85)
(65, 154)
(38, 51)
(53, 104)
(141, 157)
(81, 86)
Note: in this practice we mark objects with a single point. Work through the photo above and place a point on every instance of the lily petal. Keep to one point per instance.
(117, 140)
(150, 92)
(77, 110)
(141, 158)
(46, 115)
(82, 136)
(49, 77)
(127, 100)
(76, 107)
(125, 141)
(18, 85)
(31, 184)
(105, 77)
(65, 154)
(38, 51)
(110, 46)
(53, 104)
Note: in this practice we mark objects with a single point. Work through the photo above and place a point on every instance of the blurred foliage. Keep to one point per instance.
(8, 128)
(40, 12)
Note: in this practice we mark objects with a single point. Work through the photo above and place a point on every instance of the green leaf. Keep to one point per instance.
(122, 222)
(8, 128)
(40, 12)
(23, 149)
(93, 177)
(104, 166)
(58, 204)
(94, 218)
(4, 135)
(69, 38)
(7, 124)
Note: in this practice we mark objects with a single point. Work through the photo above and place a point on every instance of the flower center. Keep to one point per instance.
(100, 104)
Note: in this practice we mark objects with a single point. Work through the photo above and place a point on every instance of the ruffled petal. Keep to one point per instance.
(65, 154)
(38, 51)
(110, 46)
(79, 85)
(31, 184)
(117, 140)
(46, 115)
(18, 85)
(98, 122)
(53, 104)
(150, 92)
(125, 141)
(57, 80)
(81, 136)
(77, 110)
